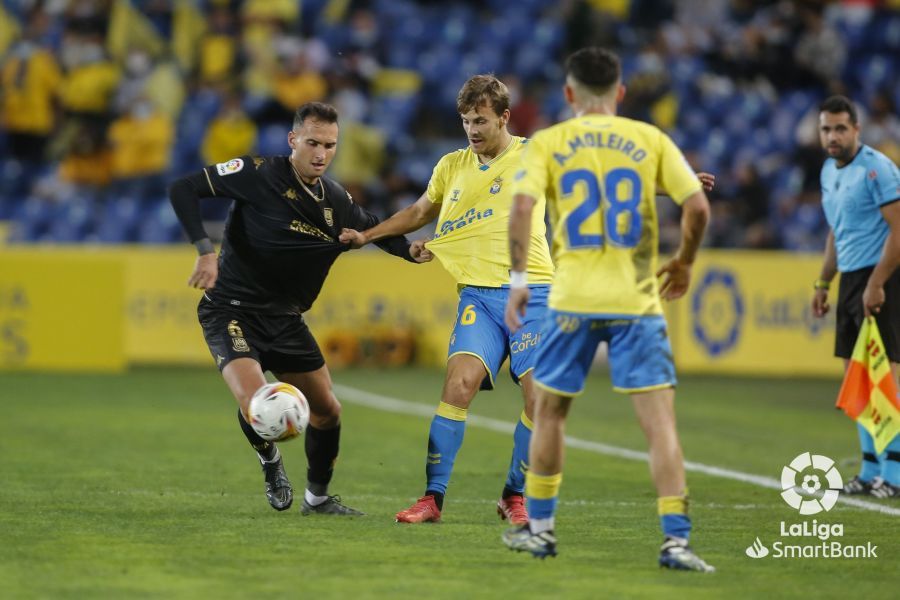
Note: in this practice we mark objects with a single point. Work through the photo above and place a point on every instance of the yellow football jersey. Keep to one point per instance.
(471, 238)
(600, 174)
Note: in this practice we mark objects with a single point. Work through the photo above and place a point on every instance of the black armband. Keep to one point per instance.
(204, 246)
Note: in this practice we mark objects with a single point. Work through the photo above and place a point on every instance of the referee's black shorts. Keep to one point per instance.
(850, 313)
(279, 343)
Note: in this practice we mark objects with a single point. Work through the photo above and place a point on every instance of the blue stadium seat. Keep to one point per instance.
(33, 220)
(272, 140)
(888, 32)
(438, 64)
(393, 114)
(73, 221)
(117, 222)
(160, 225)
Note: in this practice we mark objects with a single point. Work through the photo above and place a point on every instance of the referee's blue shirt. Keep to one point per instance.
(852, 197)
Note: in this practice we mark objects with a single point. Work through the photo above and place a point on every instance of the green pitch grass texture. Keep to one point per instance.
(141, 485)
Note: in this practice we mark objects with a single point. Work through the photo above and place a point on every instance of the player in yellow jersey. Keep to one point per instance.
(600, 174)
(470, 193)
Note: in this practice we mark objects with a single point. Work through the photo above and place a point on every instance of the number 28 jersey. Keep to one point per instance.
(600, 174)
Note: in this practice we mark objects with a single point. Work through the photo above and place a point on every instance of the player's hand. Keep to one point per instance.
(515, 308)
(820, 306)
(676, 279)
(708, 180)
(355, 238)
(419, 252)
(872, 299)
(206, 271)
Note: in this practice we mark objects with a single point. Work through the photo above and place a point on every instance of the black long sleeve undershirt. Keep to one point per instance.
(185, 194)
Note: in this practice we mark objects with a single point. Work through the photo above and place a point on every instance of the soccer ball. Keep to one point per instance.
(278, 412)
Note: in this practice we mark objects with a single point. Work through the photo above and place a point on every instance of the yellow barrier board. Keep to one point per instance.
(61, 310)
(749, 313)
(369, 295)
(372, 294)
(95, 309)
(160, 309)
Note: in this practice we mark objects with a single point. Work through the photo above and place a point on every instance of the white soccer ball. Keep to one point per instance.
(278, 412)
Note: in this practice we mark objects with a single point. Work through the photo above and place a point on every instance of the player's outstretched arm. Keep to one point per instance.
(185, 194)
(677, 272)
(873, 295)
(411, 218)
(829, 270)
(361, 221)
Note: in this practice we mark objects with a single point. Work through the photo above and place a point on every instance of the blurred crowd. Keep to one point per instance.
(103, 102)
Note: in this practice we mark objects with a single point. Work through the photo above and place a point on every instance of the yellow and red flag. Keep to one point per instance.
(869, 392)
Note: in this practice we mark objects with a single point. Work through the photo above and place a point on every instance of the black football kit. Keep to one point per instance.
(281, 238)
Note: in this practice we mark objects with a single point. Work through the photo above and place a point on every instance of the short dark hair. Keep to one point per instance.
(318, 111)
(597, 68)
(483, 89)
(839, 104)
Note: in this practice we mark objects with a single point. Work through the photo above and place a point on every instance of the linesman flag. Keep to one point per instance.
(869, 392)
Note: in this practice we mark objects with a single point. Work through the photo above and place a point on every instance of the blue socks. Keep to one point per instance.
(444, 441)
(518, 465)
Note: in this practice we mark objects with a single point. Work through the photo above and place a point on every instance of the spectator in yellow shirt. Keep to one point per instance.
(141, 143)
(231, 133)
(29, 85)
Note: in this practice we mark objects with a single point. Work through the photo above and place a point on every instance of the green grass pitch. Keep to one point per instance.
(141, 485)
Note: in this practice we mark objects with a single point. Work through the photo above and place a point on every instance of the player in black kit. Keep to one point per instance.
(281, 238)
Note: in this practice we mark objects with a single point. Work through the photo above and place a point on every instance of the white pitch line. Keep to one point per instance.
(395, 405)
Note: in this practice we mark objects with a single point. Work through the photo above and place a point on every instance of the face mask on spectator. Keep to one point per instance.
(141, 111)
(137, 63)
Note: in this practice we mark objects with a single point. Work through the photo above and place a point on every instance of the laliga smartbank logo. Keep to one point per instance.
(810, 485)
(809, 503)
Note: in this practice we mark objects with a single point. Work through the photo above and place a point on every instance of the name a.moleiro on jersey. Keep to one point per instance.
(469, 217)
(602, 139)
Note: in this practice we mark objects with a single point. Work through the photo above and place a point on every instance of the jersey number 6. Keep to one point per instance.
(621, 220)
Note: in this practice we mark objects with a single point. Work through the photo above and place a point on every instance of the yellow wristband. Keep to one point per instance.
(821, 284)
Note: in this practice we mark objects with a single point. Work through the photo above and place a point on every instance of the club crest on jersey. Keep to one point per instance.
(290, 194)
(228, 168)
(498, 183)
(237, 337)
(329, 216)
(455, 195)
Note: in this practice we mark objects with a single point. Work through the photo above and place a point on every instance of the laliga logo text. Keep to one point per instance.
(803, 490)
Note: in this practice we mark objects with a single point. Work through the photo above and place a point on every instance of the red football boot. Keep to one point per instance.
(423, 511)
(513, 509)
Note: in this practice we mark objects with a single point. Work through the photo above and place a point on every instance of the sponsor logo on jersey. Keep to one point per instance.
(470, 217)
(228, 168)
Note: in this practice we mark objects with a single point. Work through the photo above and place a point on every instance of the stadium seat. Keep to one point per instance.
(272, 140)
(73, 221)
(160, 225)
(118, 220)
